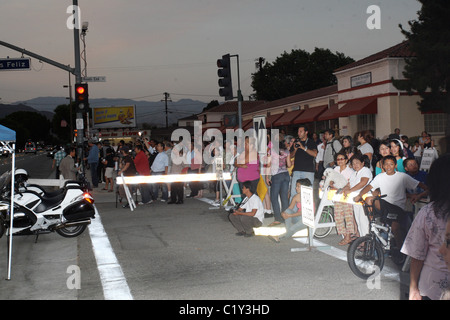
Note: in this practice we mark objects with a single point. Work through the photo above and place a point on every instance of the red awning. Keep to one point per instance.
(272, 119)
(247, 125)
(360, 106)
(310, 115)
(329, 113)
(244, 124)
(287, 118)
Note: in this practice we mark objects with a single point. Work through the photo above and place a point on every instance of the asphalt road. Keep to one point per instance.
(179, 252)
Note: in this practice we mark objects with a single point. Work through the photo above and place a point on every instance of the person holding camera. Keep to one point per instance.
(305, 151)
(249, 214)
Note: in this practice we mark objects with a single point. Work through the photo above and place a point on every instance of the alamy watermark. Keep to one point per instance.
(74, 20)
(374, 21)
(244, 147)
(374, 281)
(74, 280)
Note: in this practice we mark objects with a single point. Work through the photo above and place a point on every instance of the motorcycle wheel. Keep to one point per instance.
(71, 232)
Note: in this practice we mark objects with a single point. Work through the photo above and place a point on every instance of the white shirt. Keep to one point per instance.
(366, 148)
(320, 151)
(160, 163)
(347, 172)
(394, 187)
(356, 176)
(254, 203)
(418, 152)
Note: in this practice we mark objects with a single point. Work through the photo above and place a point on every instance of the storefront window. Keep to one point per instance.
(366, 122)
(435, 123)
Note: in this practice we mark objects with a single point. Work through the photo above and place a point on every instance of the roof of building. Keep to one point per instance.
(401, 50)
(298, 98)
(232, 106)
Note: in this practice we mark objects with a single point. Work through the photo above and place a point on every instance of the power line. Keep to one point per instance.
(166, 99)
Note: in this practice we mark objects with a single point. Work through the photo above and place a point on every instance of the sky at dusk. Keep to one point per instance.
(147, 47)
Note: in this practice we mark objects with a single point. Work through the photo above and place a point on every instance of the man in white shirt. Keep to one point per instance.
(250, 213)
(393, 185)
(160, 166)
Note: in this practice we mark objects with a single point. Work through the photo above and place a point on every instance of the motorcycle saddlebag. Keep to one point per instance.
(78, 211)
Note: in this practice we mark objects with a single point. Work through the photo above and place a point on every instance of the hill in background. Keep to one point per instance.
(150, 112)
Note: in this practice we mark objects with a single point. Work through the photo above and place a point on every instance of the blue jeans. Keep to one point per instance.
(300, 175)
(94, 174)
(279, 187)
(146, 192)
(155, 187)
(293, 225)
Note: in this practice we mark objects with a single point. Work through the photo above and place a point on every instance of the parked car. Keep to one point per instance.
(30, 147)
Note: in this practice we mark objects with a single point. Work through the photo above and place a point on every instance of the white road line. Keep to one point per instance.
(114, 283)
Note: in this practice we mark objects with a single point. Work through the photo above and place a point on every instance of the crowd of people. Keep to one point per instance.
(389, 167)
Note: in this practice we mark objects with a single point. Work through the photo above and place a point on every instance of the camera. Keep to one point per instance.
(297, 143)
(233, 209)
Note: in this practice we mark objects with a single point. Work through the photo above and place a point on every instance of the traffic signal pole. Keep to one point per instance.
(239, 93)
(77, 73)
(225, 83)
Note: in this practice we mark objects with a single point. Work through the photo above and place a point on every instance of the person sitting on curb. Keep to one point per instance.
(249, 214)
(293, 214)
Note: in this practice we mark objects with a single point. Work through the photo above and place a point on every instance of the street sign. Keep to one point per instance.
(15, 64)
(79, 124)
(307, 197)
(94, 79)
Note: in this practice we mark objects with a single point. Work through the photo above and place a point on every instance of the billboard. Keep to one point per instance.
(114, 117)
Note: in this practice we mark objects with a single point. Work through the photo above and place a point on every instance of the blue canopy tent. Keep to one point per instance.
(7, 135)
(8, 140)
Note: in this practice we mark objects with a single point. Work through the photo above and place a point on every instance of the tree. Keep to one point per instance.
(428, 73)
(212, 104)
(297, 72)
(28, 125)
(62, 115)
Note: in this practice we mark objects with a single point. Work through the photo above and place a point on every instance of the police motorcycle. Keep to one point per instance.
(67, 211)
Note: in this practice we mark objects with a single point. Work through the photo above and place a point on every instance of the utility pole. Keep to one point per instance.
(77, 74)
(239, 94)
(259, 63)
(225, 82)
(166, 99)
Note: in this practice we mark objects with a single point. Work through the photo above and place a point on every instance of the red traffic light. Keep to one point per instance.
(80, 90)
(81, 97)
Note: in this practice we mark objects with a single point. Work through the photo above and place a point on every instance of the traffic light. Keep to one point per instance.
(224, 73)
(81, 97)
